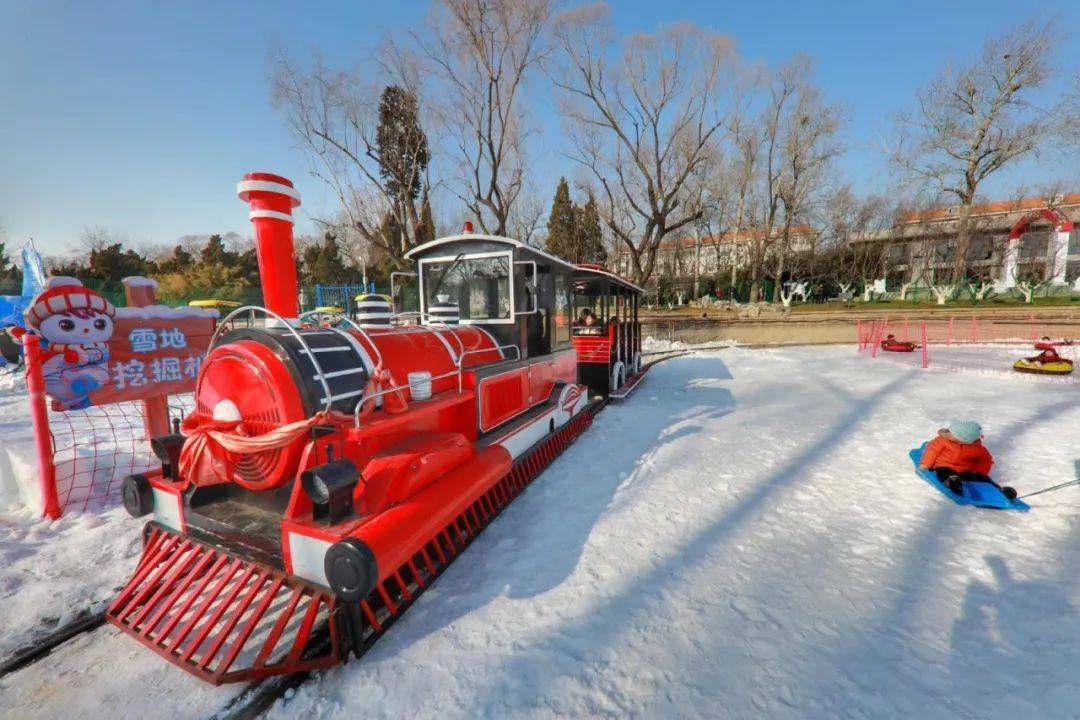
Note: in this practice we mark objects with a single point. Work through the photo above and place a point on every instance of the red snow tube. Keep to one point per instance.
(897, 346)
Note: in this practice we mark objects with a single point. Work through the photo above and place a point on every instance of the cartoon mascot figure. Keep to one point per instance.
(75, 324)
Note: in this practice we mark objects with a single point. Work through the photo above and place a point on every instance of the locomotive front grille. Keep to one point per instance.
(223, 618)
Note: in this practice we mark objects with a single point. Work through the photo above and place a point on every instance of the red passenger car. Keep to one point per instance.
(607, 332)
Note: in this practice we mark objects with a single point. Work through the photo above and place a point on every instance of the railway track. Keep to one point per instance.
(43, 645)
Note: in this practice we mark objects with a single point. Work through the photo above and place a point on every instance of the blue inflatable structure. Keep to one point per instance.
(33, 282)
(978, 494)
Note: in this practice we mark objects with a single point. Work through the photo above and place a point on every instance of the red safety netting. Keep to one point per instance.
(94, 449)
(978, 344)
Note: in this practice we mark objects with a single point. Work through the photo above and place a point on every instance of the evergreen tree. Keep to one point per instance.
(426, 230)
(590, 236)
(248, 265)
(179, 261)
(214, 252)
(322, 264)
(7, 267)
(561, 240)
(401, 143)
(114, 263)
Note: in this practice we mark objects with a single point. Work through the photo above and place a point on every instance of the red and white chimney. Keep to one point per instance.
(271, 199)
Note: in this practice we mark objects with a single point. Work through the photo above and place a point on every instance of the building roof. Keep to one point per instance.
(1001, 207)
(467, 237)
(592, 269)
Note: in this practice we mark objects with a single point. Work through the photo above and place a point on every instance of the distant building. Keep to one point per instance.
(1033, 238)
(1028, 239)
(685, 257)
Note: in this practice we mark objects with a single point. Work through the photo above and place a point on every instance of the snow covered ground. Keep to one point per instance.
(982, 359)
(744, 537)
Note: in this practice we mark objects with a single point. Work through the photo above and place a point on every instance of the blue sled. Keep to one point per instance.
(979, 494)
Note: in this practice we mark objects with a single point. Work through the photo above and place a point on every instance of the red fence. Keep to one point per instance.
(963, 343)
(95, 406)
(84, 454)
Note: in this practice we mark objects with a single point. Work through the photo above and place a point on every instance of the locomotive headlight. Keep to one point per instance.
(330, 487)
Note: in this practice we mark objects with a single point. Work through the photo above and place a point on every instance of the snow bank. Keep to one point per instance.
(54, 569)
(151, 312)
(18, 458)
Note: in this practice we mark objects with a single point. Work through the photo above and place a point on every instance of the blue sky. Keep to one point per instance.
(140, 116)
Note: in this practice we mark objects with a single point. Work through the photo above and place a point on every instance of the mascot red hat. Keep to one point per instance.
(62, 294)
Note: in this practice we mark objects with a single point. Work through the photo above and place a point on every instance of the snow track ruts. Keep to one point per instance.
(42, 646)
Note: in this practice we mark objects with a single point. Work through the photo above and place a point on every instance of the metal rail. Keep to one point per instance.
(252, 309)
(44, 645)
(459, 371)
(345, 318)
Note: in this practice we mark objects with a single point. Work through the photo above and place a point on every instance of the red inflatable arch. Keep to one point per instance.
(1059, 221)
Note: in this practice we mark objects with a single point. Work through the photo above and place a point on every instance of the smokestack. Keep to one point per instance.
(271, 199)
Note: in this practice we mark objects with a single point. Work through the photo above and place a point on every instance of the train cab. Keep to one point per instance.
(518, 294)
(606, 331)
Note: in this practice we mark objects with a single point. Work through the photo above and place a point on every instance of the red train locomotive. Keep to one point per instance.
(330, 472)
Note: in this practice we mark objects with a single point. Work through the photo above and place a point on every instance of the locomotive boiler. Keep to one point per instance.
(330, 471)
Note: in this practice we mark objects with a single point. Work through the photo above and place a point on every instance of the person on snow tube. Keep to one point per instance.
(1047, 344)
(892, 344)
(1048, 356)
(957, 455)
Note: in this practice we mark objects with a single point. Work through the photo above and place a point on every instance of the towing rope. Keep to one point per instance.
(1052, 487)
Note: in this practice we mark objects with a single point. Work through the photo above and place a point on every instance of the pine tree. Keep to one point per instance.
(6, 265)
(590, 236)
(561, 240)
(426, 229)
(214, 252)
(179, 261)
(114, 263)
(322, 264)
(401, 144)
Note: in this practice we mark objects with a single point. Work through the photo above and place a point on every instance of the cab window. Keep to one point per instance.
(478, 285)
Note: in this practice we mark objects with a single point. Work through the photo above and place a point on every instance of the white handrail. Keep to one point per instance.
(459, 372)
(428, 328)
(363, 334)
(307, 348)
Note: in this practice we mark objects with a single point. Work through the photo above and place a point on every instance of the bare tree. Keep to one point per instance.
(1070, 111)
(527, 217)
(645, 112)
(808, 146)
(480, 54)
(746, 139)
(972, 121)
(708, 192)
(850, 243)
(781, 158)
(381, 186)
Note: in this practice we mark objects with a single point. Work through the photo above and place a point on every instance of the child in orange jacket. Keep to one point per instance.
(957, 455)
